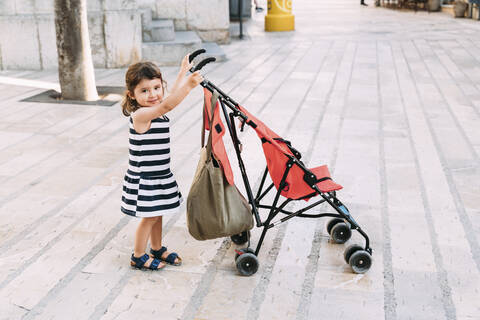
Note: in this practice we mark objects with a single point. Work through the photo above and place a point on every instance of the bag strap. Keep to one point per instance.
(213, 102)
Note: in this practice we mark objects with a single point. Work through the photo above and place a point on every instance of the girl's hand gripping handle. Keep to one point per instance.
(194, 79)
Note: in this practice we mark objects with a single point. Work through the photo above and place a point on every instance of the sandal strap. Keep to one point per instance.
(171, 258)
(158, 253)
(140, 261)
(154, 265)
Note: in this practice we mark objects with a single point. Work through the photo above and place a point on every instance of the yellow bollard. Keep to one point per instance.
(279, 16)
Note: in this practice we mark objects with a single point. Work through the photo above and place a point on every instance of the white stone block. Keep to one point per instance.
(170, 9)
(207, 14)
(96, 35)
(21, 38)
(171, 52)
(119, 5)
(219, 36)
(148, 5)
(94, 5)
(7, 7)
(180, 24)
(146, 15)
(145, 3)
(45, 6)
(46, 34)
(24, 7)
(123, 38)
(160, 30)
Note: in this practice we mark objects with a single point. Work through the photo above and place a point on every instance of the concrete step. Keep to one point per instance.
(159, 30)
(171, 52)
(213, 50)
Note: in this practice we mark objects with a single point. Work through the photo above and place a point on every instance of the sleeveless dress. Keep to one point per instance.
(149, 187)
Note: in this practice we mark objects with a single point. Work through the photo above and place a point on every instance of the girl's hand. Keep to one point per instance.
(194, 79)
(186, 65)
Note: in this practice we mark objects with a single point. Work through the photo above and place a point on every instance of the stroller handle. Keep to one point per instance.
(202, 63)
(194, 54)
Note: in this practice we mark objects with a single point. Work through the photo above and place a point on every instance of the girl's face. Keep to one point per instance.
(148, 92)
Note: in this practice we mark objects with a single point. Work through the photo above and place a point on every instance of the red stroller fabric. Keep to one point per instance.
(218, 147)
(276, 155)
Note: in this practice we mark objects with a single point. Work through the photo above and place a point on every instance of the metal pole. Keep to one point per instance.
(240, 7)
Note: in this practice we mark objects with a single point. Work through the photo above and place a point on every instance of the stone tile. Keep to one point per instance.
(137, 297)
(55, 263)
(284, 292)
(424, 299)
(228, 298)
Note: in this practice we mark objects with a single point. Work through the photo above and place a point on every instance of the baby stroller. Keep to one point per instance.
(292, 180)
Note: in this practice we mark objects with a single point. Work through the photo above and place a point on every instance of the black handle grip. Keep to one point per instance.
(203, 63)
(195, 53)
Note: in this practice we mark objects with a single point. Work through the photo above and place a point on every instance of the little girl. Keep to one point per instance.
(149, 188)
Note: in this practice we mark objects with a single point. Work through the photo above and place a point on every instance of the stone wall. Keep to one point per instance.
(209, 18)
(30, 43)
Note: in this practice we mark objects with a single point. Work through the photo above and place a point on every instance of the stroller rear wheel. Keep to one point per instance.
(242, 251)
(360, 261)
(240, 238)
(247, 264)
(341, 233)
(351, 250)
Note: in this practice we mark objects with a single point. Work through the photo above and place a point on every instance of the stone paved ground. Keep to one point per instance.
(390, 100)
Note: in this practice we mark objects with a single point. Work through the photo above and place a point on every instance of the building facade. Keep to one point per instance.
(118, 29)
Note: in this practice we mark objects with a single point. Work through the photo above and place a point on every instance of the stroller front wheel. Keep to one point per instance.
(341, 233)
(247, 264)
(360, 261)
(242, 251)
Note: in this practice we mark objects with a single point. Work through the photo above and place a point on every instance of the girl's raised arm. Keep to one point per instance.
(184, 67)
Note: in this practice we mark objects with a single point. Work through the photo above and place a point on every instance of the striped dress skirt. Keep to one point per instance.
(149, 187)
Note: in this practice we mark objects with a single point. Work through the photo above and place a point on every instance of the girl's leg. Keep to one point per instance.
(156, 235)
(156, 239)
(144, 230)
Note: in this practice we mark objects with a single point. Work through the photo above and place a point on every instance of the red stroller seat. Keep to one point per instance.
(276, 150)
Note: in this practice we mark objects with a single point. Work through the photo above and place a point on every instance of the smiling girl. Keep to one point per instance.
(150, 189)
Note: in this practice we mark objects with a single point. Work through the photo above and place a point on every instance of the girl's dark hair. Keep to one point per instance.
(136, 73)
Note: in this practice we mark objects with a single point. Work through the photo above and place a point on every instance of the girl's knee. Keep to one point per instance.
(150, 220)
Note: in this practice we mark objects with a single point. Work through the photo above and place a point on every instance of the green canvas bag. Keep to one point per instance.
(215, 208)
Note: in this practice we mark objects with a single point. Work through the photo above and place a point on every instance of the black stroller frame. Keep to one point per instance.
(339, 228)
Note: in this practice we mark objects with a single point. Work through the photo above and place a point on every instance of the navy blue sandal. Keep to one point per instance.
(170, 259)
(139, 263)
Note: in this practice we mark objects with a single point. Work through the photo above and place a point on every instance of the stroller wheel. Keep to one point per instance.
(360, 261)
(247, 264)
(351, 250)
(341, 233)
(333, 222)
(240, 238)
(242, 251)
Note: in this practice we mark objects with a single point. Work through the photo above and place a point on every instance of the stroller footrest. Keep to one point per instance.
(323, 180)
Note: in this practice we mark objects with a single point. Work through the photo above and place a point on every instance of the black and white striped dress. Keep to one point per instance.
(149, 187)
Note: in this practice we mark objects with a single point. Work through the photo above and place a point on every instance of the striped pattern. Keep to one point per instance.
(149, 187)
